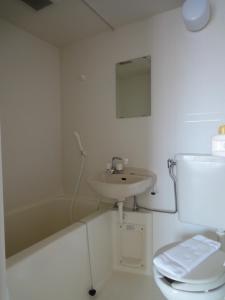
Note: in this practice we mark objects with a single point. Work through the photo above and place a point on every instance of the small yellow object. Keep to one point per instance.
(221, 129)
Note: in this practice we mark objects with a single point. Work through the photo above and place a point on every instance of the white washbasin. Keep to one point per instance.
(131, 182)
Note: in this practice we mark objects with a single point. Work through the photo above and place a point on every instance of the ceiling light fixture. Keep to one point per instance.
(196, 14)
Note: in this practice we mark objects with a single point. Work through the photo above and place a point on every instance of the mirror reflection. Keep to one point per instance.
(133, 88)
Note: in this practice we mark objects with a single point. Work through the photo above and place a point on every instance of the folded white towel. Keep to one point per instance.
(180, 260)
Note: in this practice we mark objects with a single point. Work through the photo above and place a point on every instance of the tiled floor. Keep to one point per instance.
(126, 286)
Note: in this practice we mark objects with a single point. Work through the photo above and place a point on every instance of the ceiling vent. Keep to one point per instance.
(37, 4)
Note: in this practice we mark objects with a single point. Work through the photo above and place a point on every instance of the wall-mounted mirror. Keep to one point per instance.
(133, 88)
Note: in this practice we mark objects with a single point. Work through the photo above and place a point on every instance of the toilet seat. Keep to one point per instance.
(209, 275)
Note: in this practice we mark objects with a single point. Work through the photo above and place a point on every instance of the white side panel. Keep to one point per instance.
(100, 243)
(132, 241)
(138, 259)
(3, 290)
(201, 189)
(57, 268)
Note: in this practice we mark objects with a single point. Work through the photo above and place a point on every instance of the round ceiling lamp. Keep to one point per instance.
(196, 14)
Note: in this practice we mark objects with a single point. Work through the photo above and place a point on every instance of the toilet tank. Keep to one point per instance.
(201, 189)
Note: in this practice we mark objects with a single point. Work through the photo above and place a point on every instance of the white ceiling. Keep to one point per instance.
(67, 21)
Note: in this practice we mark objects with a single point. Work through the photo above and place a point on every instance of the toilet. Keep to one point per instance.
(200, 187)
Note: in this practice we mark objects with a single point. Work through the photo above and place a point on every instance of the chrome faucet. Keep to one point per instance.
(113, 168)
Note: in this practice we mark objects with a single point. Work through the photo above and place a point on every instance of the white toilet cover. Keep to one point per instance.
(209, 274)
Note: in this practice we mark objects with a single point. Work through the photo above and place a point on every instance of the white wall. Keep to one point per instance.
(89, 106)
(188, 71)
(188, 88)
(30, 117)
(188, 91)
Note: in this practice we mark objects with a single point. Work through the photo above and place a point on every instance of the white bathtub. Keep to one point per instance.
(32, 223)
(58, 267)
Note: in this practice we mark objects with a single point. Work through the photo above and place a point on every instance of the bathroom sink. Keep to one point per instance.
(131, 182)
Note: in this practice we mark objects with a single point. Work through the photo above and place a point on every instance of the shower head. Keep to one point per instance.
(77, 136)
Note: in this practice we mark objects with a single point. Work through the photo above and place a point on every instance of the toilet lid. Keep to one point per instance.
(208, 275)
